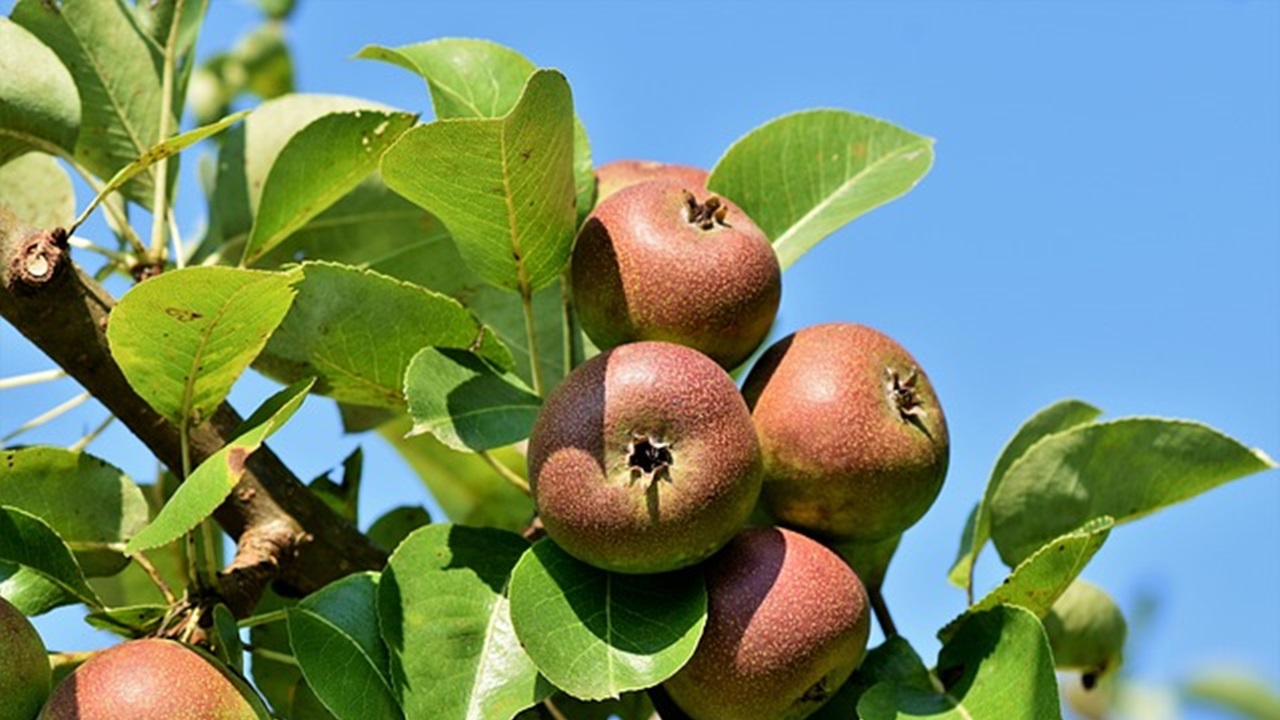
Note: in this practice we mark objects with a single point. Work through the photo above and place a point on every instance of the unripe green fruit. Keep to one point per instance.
(663, 261)
(152, 680)
(612, 177)
(25, 674)
(787, 623)
(1086, 632)
(854, 441)
(644, 459)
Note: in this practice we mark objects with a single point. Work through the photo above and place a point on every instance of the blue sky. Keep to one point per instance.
(1102, 222)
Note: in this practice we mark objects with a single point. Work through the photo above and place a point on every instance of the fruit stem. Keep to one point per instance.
(881, 610)
(160, 200)
(572, 348)
(526, 298)
(154, 575)
(521, 484)
(263, 619)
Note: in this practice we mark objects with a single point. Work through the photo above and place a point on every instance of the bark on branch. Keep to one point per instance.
(283, 531)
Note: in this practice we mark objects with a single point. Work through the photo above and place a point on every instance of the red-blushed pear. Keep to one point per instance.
(855, 443)
(787, 623)
(644, 459)
(613, 176)
(663, 261)
(25, 673)
(153, 680)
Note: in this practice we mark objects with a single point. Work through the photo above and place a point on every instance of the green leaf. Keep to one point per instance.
(183, 338)
(596, 634)
(1060, 416)
(482, 79)
(133, 621)
(469, 491)
(39, 104)
(1125, 468)
(1038, 582)
(893, 661)
(998, 665)
(28, 542)
(504, 314)
(227, 645)
(29, 591)
(275, 679)
(108, 509)
(35, 191)
(117, 76)
(466, 402)
(397, 524)
(504, 187)
(320, 164)
(348, 328)
(1241, 692)
(447, 622)
(467, 78)
(211, 482)
(248, 151)
(334, 635)
(155, 17)
(158, 152)
(802, 176)
(631, 706)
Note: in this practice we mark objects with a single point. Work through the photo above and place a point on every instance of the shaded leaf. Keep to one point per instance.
(211, 482)
(183, 338)
(39, 103)
(356, 331)
(397, 524)
(468, 490)
(597, 634)
(893, 661)
(275, 679)
(1062, 415)
(225, 637)
(1125, 468)
(320, 164)
(504, 187)
(29, 591)
(117, 77)
(35, 191)
(334, 635)
(1038, 581)
(132, 621)
(108, 509)
(998, 665)
(28, 542)
(803, 176)
(446, 619)
(466, 402)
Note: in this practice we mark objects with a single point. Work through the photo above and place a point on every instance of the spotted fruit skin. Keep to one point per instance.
(843, 458)
(613, 176)
(151, 679)
(787, 623)
(600, 509)
(25, 674)
(642, 271)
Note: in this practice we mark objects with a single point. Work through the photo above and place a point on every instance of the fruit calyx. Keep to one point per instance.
(705, 215)
(902, 393)
(649, 457)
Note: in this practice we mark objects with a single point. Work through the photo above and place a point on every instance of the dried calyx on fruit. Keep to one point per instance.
(644, 459)
(663, 261)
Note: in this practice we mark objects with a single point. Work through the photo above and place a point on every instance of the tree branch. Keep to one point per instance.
(284, 531)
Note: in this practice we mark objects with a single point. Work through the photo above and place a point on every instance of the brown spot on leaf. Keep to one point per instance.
(236, 459)
(182, 315)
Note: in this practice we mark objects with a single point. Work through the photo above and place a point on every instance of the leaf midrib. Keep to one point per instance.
(830, 199)
(188, 390)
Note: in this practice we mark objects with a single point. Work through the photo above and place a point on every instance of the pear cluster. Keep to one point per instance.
(648, 458)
